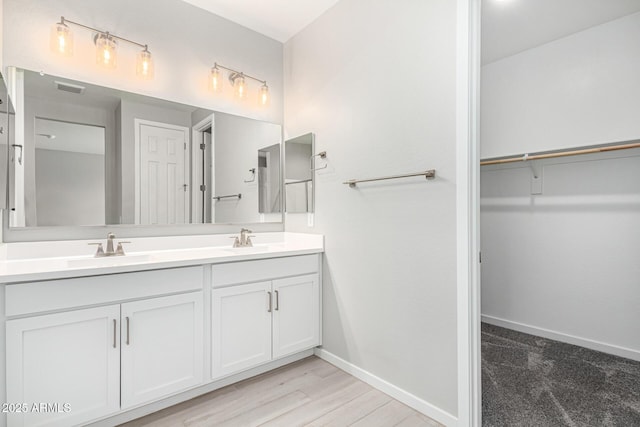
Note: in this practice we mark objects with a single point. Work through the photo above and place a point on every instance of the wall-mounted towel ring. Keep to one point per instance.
(20, 156)
(322, 155)
(253, 175)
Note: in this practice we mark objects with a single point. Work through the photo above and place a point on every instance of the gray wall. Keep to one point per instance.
(69, 188)
(389, 278)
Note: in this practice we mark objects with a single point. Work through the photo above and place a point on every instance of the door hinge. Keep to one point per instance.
(480, 257)
(184, 186)
(185, 145)
(203, 187)
(202, 147)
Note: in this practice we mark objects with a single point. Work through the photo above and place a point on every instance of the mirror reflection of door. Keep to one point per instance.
(162, 173)
(70, 173)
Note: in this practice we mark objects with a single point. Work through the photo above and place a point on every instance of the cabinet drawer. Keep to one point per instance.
(264, 269)
(36, 297)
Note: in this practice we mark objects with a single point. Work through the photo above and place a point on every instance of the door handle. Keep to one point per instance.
(277, 301)
(114, 333)
(128, 341)
(269, 301)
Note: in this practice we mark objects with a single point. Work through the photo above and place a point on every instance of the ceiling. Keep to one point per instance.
(278, 19)
(512, 26)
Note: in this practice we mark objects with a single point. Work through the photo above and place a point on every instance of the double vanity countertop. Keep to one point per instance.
(35, 261)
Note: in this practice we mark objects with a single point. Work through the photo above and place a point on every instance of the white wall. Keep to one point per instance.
(576, 91)
(185, 42)
(565, 261)
(376, 82)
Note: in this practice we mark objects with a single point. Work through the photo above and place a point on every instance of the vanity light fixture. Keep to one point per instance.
(106, 47)
(238, 81)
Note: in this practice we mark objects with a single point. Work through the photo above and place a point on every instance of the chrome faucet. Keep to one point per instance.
(100, 252)
(244, 241)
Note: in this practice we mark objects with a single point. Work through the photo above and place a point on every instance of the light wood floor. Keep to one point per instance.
(310, 392)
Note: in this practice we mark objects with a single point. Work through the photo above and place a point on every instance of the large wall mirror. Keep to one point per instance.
(91, 155)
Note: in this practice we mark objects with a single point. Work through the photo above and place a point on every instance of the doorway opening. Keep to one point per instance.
(559, 205)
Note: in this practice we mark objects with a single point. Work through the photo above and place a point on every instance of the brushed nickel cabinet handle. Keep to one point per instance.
(277, 301)
(128, 341)
(269, 298)
(114, 333)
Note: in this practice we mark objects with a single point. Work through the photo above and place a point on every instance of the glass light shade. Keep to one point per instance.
(62, 39)
(263, 95)
(240, 87)
(106, 51)
(144, 65)
(215, 80)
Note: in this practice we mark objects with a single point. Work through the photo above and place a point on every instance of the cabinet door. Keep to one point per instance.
(296, 314)
(70, 361)
(241, 327)
(162, 347)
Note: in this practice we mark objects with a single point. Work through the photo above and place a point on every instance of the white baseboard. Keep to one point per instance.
(559, 336)
(397, 393)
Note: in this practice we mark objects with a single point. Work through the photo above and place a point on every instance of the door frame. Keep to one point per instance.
(468, 211)
(137, 123)
(196, 135)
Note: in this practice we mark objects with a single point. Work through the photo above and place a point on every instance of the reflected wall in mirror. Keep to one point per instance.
(95, 156)
(298, 180)
(69, 173)
(269, 188)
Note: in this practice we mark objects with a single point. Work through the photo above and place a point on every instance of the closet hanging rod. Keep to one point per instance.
(526, 157)
(430, 174)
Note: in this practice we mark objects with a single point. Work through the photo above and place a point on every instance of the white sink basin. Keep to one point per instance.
(249, 250)
(108, 261)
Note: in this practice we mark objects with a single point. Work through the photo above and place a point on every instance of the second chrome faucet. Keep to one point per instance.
(244, 240)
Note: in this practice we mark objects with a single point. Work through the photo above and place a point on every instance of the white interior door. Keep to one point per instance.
(162, 173)
(68, 358)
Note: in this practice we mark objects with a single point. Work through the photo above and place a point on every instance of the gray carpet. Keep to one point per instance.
(533, 381)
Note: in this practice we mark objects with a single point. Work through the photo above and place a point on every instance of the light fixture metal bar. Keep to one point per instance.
(63, 20)
(215, 64)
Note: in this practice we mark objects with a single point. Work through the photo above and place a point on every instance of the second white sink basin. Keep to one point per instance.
(249, 250)
(108, 261)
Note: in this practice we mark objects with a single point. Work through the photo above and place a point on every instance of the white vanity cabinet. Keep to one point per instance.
(70, 358)
(255, 321)
(241, 327)
(97, 361)
(162, 347)
(107, 348)
(296, 314)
